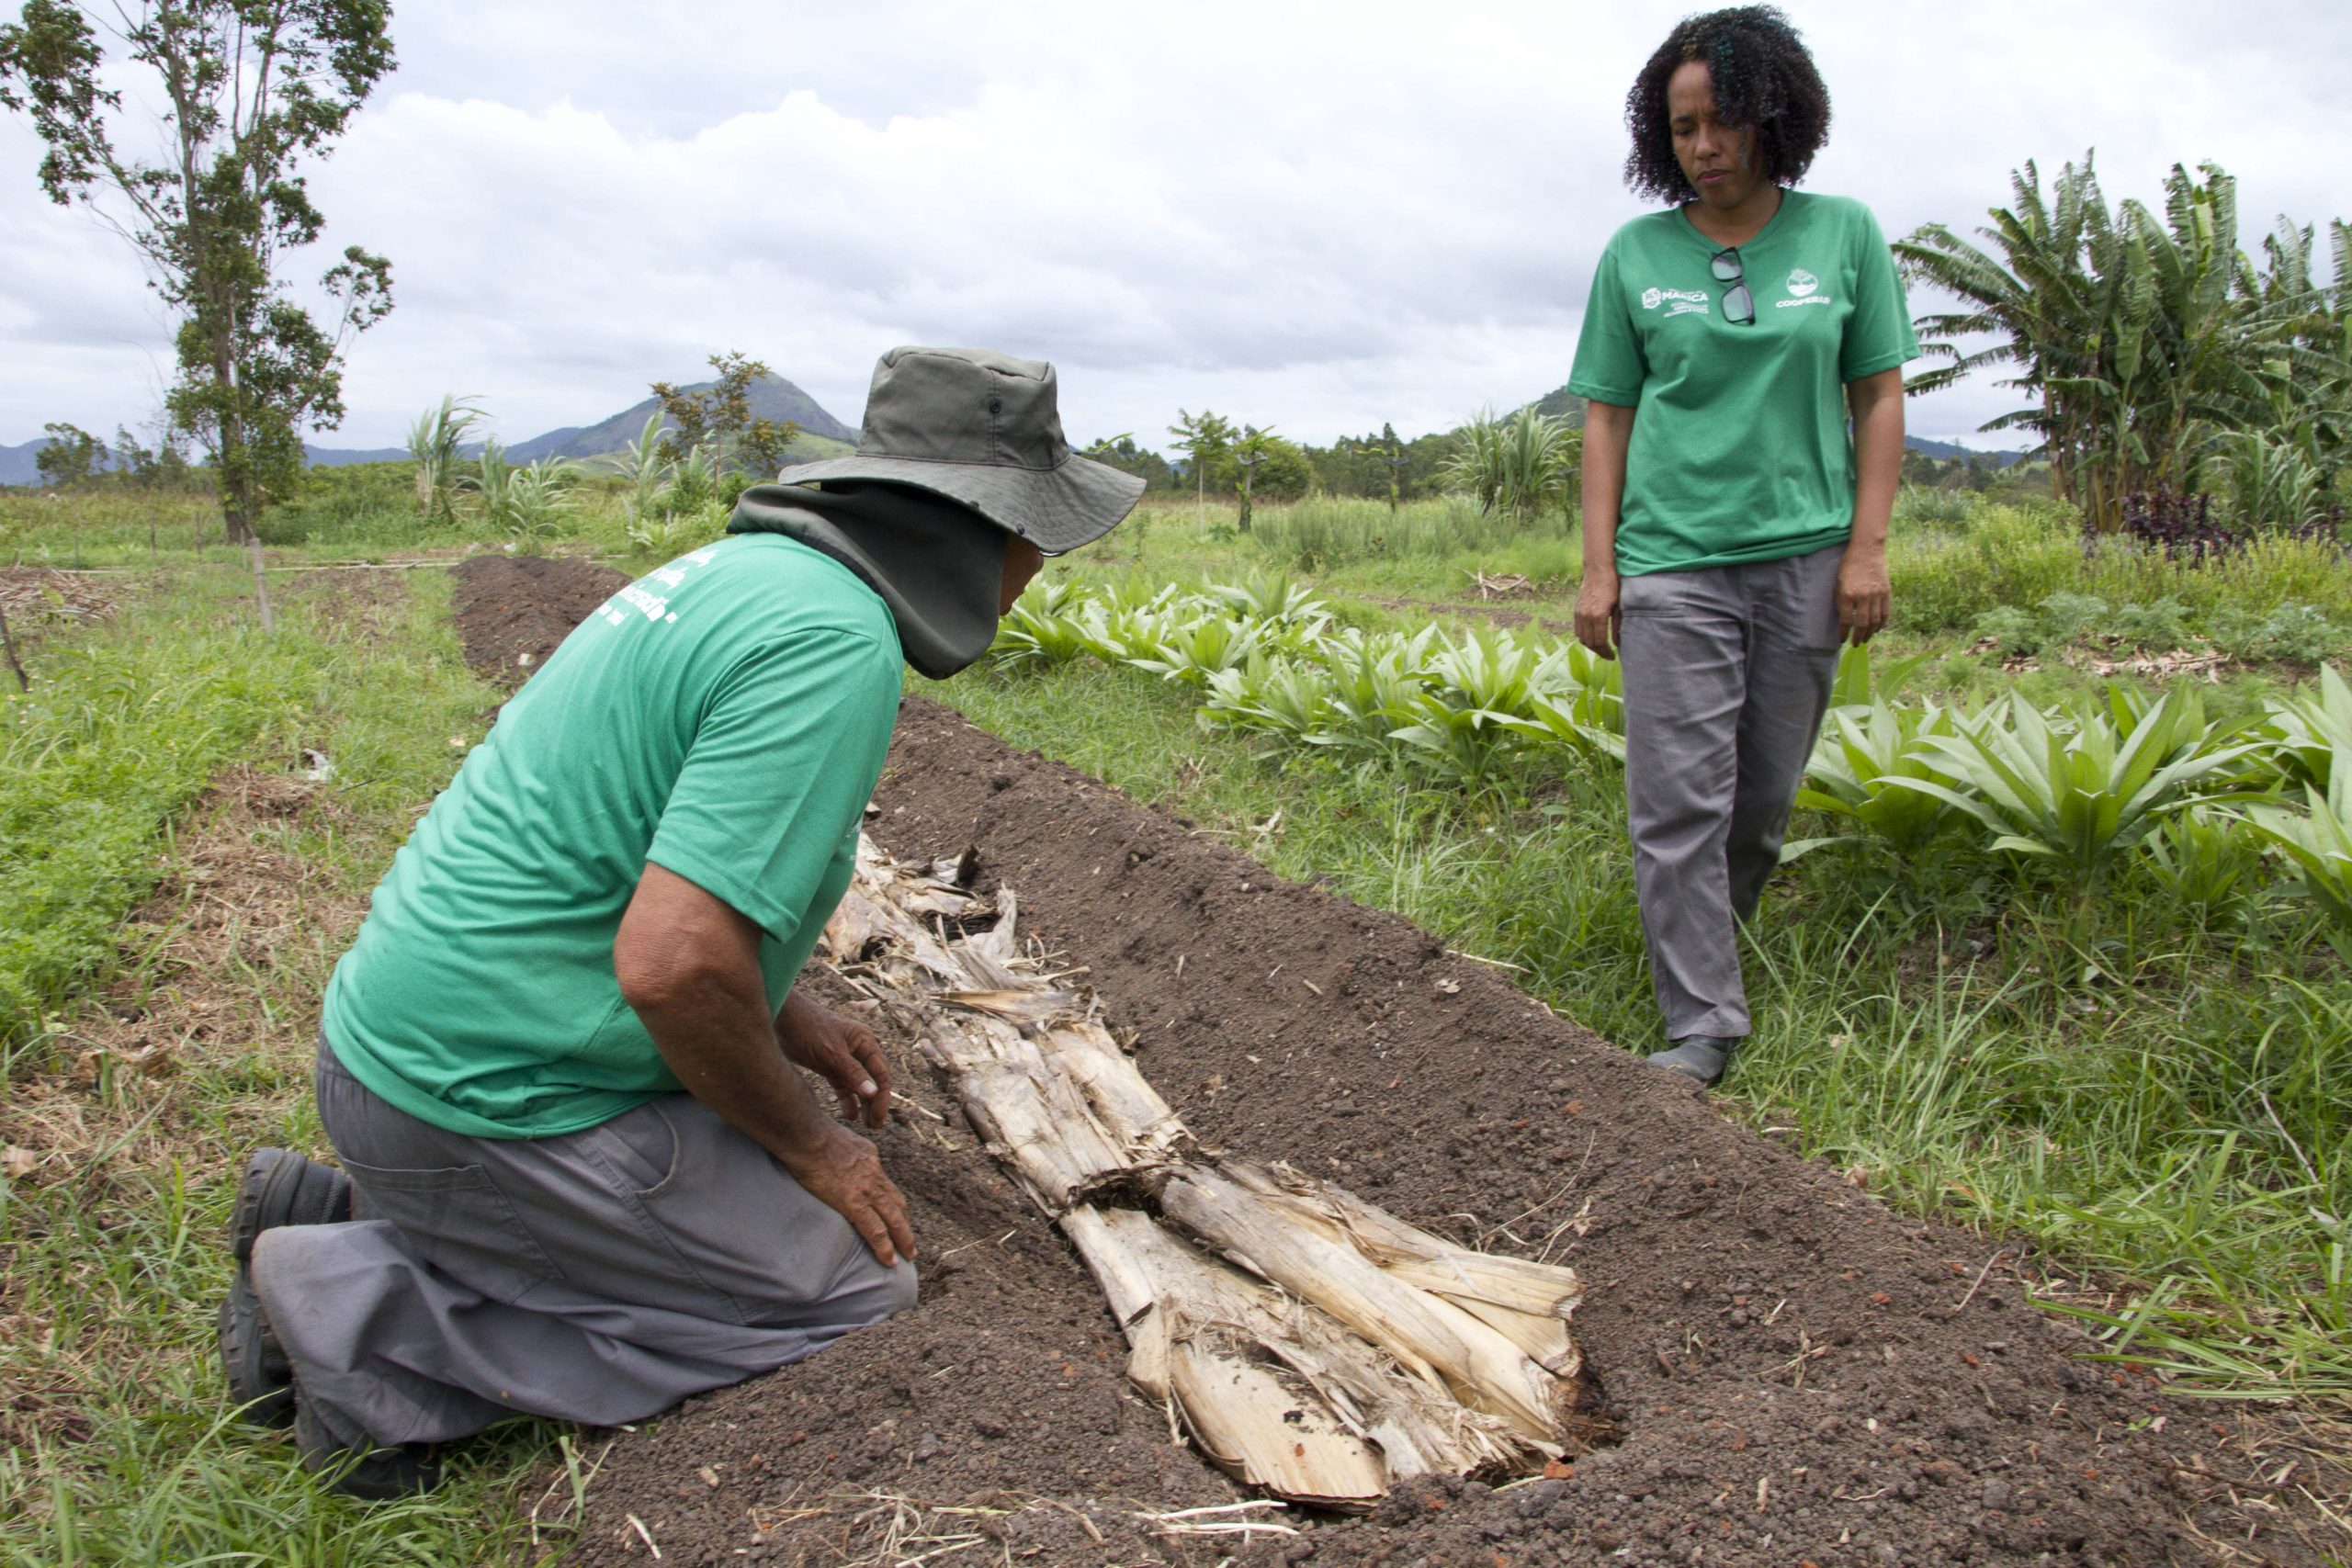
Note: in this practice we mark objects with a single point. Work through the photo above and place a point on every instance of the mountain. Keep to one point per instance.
(17, 464)
(1561, 403)
(772, 397)
(1943, 451)
(345, 456)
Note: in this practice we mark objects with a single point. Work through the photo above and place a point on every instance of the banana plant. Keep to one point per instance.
(2078, 796)
(1856, 766)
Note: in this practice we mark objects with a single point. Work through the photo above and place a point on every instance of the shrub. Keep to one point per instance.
(2299, 632)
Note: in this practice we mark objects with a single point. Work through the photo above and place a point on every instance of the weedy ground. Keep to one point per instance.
(2154, 1108)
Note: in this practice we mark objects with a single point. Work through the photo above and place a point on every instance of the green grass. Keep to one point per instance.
(122, 1448)
(2166, 1106)
(121, 728)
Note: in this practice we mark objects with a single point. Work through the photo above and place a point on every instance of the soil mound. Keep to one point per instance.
(1802, 1375)
(512, 610)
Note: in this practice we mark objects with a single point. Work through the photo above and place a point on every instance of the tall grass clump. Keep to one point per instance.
(1323, 532)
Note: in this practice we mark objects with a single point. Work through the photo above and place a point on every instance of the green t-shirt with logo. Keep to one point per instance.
(1740, 448)
(725, 717)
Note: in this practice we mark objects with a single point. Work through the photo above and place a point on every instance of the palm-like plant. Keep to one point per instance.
(1477, 696)
(647, 470)
(1374, 684)
(435, 443)
(1523, 464)
(539, 496)
(1040, 631)
(1279, 696)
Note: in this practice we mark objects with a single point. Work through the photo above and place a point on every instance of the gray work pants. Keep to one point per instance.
(599, 1277)
(1728, 672)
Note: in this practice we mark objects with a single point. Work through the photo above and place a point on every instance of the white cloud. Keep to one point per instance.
(1315, 215)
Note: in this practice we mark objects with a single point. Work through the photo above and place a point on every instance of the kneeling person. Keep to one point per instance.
(589, 1180)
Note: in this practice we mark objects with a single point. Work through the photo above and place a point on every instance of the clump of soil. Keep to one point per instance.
(1802, 1376)
(512, 611)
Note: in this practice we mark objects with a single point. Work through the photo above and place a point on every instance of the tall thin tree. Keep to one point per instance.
(246, 92)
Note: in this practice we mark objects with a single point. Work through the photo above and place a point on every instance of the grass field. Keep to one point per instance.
(2151, 1105)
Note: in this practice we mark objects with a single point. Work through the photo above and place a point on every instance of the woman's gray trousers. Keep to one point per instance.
(1728, 671)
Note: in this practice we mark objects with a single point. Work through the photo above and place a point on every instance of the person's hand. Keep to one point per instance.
(1597, 619)
(841, 1168)
(1865, 598)
(840, 1050)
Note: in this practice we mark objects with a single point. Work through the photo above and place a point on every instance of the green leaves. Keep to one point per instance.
(1523, 464)
(2318, 843)
(1857, 769)
(2145, 343)
(2075, 794)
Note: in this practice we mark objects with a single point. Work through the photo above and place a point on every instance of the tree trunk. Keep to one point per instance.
(1246, 474)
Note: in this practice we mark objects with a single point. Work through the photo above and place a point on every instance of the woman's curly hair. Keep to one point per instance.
(1763, 80)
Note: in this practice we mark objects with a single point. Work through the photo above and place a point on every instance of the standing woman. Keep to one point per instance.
(1734, 531)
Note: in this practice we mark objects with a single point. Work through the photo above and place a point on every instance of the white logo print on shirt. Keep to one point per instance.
(1685, 300)
(1802, 285)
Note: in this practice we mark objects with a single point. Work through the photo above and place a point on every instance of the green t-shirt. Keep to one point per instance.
(725, 717)
(1740, 448)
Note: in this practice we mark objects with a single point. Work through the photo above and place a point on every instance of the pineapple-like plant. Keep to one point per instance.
(2079, 796)
(1863, 756)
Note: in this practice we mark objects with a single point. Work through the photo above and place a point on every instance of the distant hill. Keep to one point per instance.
(773, 397)
(1561, 403)
(1943, 451)
(17, 464)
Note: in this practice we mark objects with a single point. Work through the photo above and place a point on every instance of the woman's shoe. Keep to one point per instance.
(1700, 1056)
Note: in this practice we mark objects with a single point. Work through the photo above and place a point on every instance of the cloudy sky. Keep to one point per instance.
(1314, 215)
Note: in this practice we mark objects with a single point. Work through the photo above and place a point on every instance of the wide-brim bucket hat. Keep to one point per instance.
(983, 429)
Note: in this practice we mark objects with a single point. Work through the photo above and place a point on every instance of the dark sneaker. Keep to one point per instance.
(360, 1468)
(282, 1188)
(260, 1378)
(1700, 1056)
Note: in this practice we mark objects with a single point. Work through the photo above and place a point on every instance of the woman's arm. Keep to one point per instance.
(1607, 431)
(1865, 598)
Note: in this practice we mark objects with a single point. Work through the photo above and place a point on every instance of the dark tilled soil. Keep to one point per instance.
(512, 610)
(1802, 1376)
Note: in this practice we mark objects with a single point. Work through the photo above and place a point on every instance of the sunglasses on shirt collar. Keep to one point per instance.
(1739, 305)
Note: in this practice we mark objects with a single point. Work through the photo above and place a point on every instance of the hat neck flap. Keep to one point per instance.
(938, 565)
